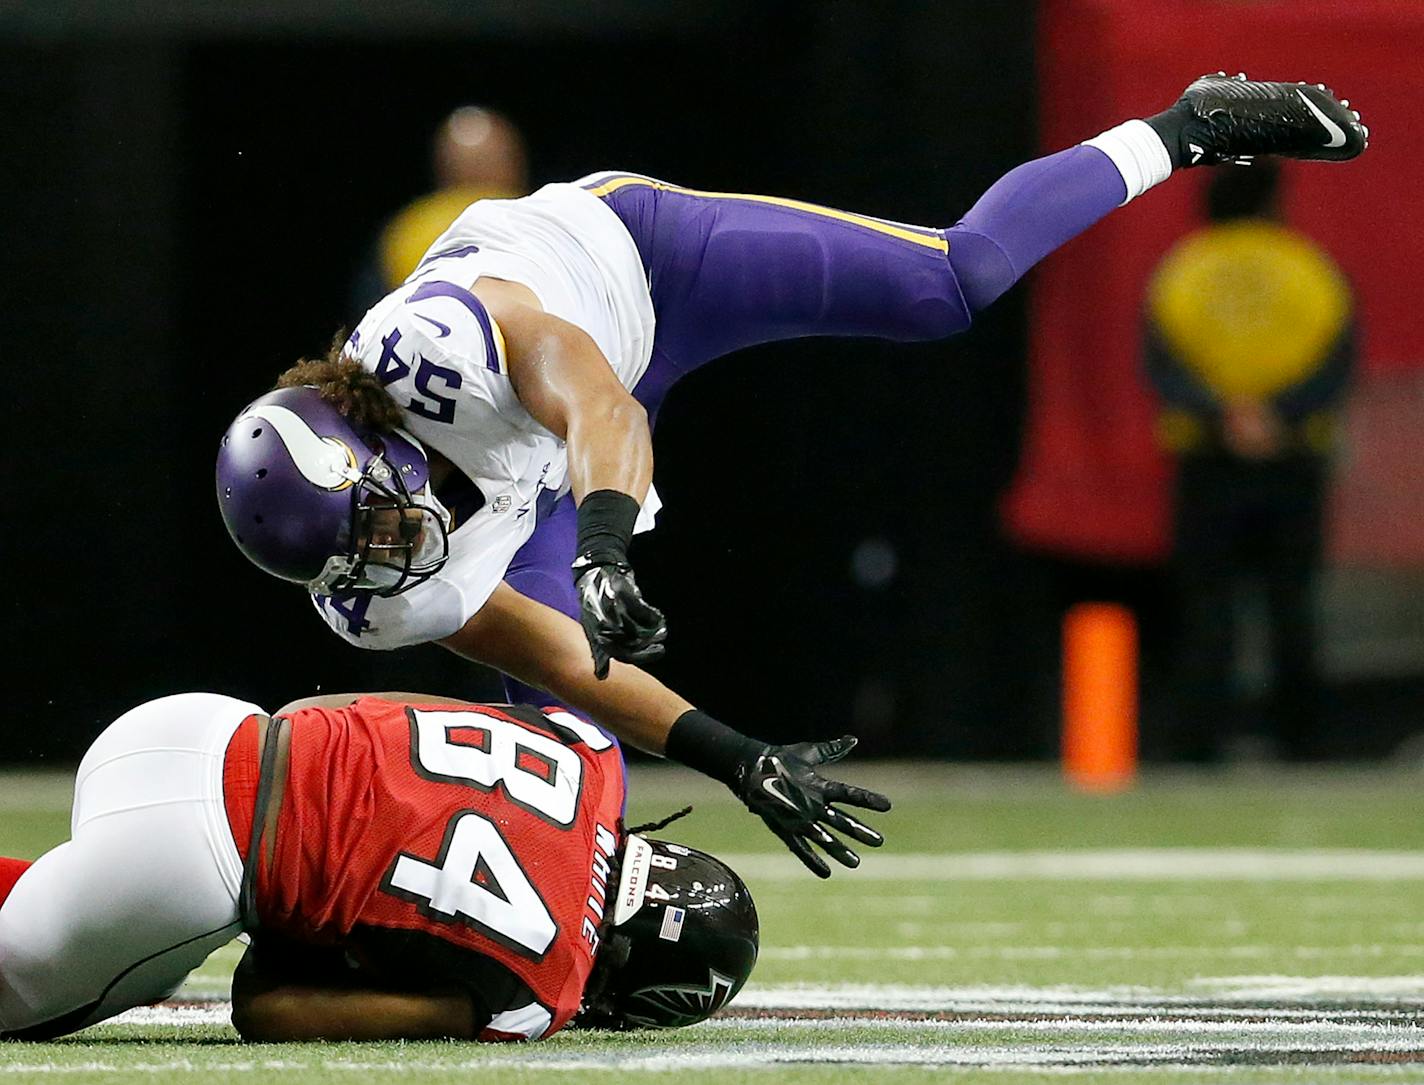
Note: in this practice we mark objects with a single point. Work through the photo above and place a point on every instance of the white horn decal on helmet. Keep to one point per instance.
(327, 462)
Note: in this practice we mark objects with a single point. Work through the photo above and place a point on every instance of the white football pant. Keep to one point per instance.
(148, 885)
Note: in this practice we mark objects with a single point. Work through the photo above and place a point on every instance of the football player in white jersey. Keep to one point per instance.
(487, 425)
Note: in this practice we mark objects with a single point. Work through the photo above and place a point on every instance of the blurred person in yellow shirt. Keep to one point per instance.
(1250, 342)
(477, 154)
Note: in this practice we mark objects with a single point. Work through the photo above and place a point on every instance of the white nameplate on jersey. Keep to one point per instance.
(672, 924)
(633, 881)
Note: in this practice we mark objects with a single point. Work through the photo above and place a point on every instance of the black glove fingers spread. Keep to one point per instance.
(799, 848)
(856, 796)
(780, 783)
(834, 750)
(844, 823)
(836, 848)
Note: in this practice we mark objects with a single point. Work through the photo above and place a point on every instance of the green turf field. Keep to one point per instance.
(1244, 927)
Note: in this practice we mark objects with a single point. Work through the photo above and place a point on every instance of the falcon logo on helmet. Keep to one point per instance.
(672, 1005)
(309, 498)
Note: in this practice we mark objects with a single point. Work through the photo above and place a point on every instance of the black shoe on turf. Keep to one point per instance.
(1233, 119)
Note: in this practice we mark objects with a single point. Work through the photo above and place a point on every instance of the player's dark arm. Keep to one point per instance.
(279, 1006)
(564, 381)
(290, 1013)
(543, 648)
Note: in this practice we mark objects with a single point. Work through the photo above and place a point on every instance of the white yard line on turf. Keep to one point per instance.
(1289, 1001)
(1288, 992)
(1148, 864)
(1315, 988)
(1095, 1058)
(1373, 951)
(179, 1015)
(1400, 1030)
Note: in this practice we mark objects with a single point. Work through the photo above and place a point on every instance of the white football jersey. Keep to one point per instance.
(442, 357)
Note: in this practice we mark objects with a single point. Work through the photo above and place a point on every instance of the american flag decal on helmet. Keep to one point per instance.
(671, 929)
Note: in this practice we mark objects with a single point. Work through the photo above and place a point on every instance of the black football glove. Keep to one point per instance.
(782, 787)
(618, 622)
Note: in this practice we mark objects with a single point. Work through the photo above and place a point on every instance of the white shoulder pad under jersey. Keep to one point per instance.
(576, 256)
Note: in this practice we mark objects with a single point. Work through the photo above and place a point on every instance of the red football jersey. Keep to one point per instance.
(10, 871)
(491, 829)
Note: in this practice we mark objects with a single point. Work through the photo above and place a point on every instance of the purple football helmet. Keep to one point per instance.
(310, 498)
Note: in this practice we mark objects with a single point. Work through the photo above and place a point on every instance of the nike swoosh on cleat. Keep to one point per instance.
(1337, 134)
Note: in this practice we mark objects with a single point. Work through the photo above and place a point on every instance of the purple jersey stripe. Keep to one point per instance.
(441, 289)
(602, 179)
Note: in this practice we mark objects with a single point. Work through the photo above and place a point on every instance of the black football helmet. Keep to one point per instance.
(683, 940)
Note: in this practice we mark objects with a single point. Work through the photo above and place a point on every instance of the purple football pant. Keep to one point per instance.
(540, 570)
(728, 271)
(731, 271)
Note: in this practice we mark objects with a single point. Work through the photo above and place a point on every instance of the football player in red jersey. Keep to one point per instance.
(406, 866)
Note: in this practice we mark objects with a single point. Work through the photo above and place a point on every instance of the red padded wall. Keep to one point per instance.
(1091, 483)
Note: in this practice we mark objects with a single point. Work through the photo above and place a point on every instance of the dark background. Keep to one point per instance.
(188, 197)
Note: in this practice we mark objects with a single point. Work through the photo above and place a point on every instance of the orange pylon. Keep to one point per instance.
(1100, 696)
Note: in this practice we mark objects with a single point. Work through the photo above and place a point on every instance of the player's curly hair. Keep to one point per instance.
(353, 391)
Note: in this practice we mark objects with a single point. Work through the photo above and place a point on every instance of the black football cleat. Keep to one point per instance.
(1233, 119)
